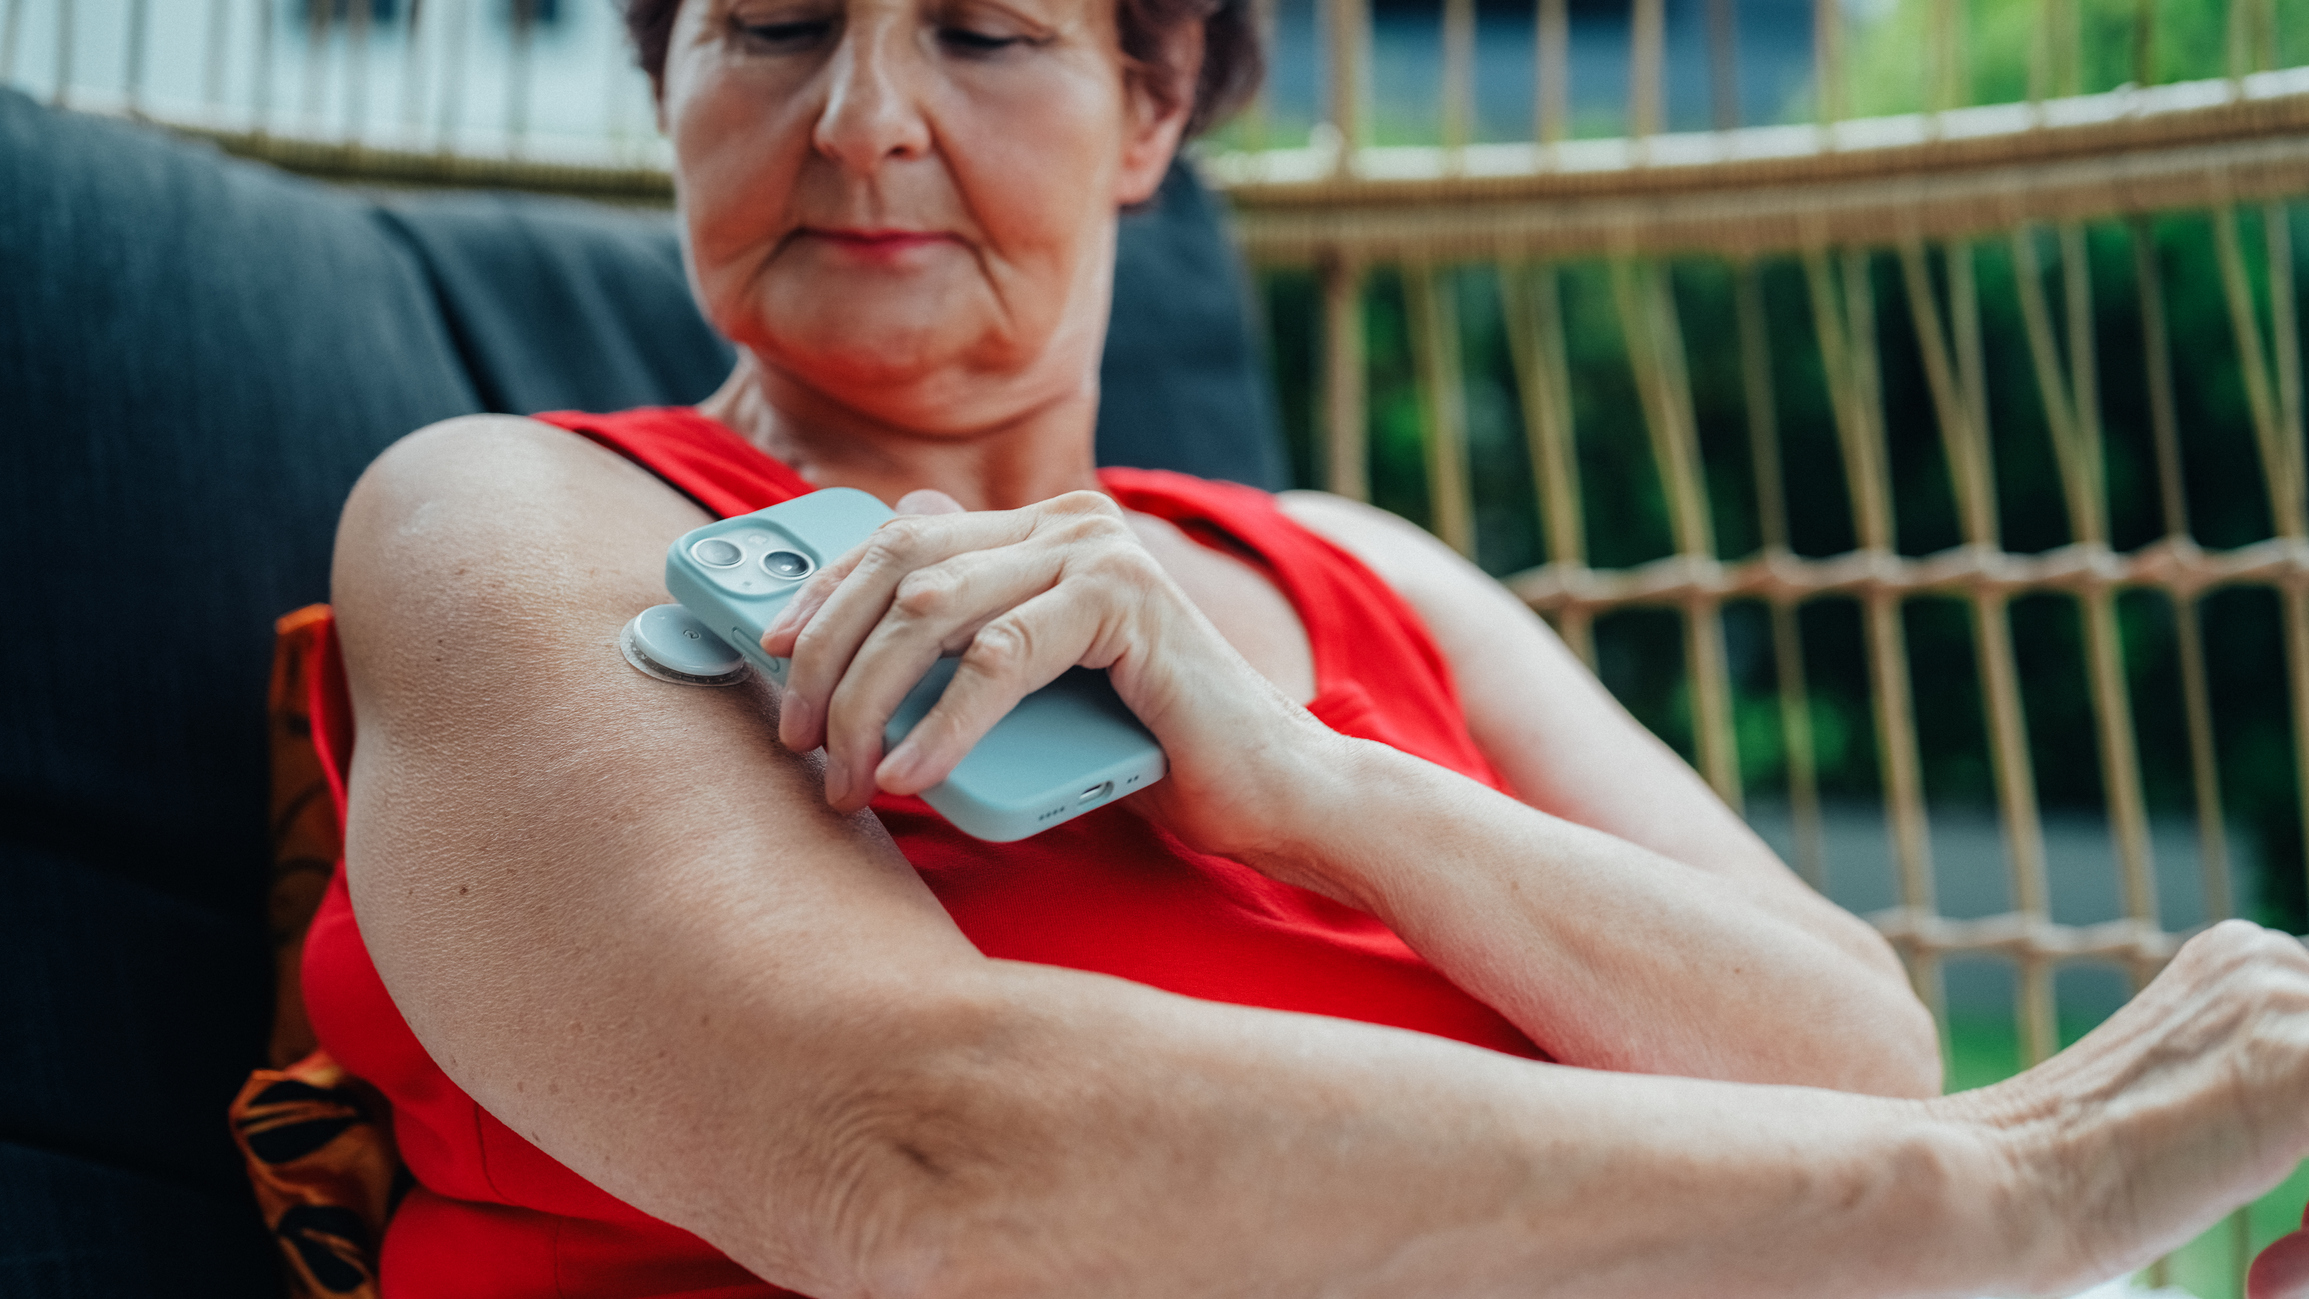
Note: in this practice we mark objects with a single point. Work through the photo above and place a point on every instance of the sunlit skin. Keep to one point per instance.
(904, 214)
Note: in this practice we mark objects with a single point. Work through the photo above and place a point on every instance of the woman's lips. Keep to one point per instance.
(881, 245)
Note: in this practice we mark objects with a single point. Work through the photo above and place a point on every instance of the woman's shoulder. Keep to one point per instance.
(477, 475)
(472, 527)
(1467, 611)
(465, 449)
(472, 457)
(1405, 556)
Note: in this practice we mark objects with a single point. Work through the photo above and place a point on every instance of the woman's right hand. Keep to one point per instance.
(2190, 1099)
(1023, 595)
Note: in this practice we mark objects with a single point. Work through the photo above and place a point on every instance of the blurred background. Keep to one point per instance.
(558, 72)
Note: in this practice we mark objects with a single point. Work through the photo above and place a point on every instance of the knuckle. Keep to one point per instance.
(926, 593)
(2236, 931)
(1087, 503)
(2261, 971)
(1002, 649)
(2274, 956)
(808, 641)
(1129, 565)
(1106, 521)
(1080, 539)
(898, 542)
(2266, 950)
(2221, 949)
(815, 589)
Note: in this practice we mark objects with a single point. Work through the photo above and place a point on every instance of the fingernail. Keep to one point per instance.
(778, 624)
(837, 782)
(898, 768)
(796, 719)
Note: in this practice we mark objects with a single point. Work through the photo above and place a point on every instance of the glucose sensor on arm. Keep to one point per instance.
(668, 642)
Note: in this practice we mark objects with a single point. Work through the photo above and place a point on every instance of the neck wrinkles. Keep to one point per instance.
(1041, 453)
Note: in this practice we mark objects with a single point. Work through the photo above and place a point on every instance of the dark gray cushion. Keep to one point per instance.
(195, 362)
(1181, 386)
(197, 358)
(562, 306)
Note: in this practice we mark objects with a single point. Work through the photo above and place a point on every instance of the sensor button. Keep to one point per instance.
(666, 642)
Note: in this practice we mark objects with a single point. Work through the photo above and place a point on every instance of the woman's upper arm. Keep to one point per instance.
(606, 905)
(1547, 724)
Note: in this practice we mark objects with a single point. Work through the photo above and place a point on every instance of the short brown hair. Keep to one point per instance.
(1232, 60)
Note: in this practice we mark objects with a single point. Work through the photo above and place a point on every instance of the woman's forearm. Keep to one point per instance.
(1606, 953)
(1095, 1137)
(1673, 940)
(1039, 1132)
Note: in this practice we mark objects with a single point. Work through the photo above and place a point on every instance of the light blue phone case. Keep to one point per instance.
(1065, 749)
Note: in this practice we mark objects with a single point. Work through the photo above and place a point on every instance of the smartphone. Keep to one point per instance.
(1063, 750)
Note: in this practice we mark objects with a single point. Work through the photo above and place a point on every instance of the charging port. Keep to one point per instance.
(1094, 793)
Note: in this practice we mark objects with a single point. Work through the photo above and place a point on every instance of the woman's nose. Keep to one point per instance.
(873, 111)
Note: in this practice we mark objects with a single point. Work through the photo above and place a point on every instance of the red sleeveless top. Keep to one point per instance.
(492, 1215)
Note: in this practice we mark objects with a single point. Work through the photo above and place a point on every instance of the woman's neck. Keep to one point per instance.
(1044, 452)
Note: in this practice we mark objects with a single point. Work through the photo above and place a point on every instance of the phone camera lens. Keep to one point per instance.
(714, 552)
(787, 565)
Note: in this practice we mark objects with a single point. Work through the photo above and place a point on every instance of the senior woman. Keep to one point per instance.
(680, 991)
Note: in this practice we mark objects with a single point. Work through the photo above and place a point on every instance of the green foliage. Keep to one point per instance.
(2014, 49)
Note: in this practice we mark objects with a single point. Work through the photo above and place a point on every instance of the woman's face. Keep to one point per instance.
(908, 206)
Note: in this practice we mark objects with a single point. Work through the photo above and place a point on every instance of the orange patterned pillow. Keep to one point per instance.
(318, 1141)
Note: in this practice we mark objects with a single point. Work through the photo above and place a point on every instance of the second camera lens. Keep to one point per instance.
(787, 564)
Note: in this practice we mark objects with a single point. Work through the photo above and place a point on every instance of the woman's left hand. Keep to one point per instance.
(1023, 595)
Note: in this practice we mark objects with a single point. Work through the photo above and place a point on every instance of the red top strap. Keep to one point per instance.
(701, 458)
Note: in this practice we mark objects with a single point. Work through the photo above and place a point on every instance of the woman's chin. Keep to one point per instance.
(854, 360)
(920, 384)
(867, 333)
(926, 351)
(882, 352)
